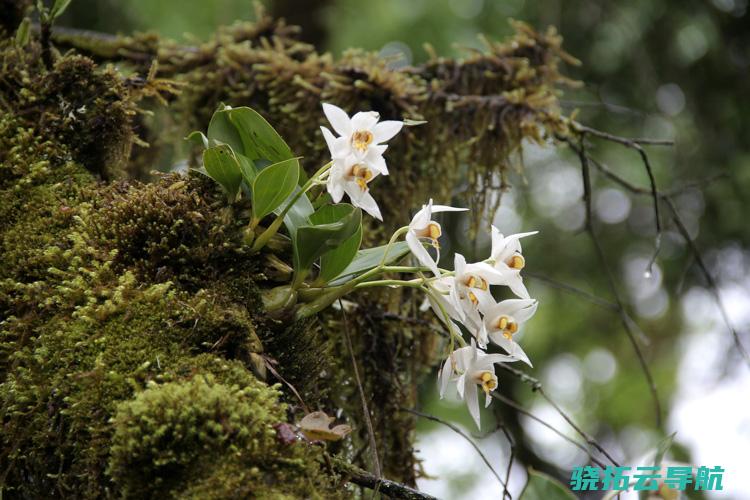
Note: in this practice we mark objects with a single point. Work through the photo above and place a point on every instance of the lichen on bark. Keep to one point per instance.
(133, 341)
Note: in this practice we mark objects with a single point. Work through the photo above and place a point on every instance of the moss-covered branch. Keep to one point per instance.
(133, 341)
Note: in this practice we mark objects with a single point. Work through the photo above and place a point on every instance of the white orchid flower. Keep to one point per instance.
(361, 135)
(503, 320)
(506, 252)
(473, 284)
(352, 176)
(440, 298)
(423, 227)
(470, 367)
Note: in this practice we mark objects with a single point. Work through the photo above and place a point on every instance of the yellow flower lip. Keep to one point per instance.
(362, 175)
(433, 231)
(476, 282)
(507, 326)
(516, 262)
(361, 139)
(487, 380)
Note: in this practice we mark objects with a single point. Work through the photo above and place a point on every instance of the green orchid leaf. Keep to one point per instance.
(370, 258)
(259, 139)
(333, 262)
(541, 485)
(322, 235)
(273, 185)
(222, 166)
(222, 130)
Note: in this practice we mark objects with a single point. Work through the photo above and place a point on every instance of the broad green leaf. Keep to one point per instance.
(299, 214)
(58, 8)
(336, 260)
(259, 139)
(199, 139)
(221, 129)
(541, 485)
(222, 166)
(370, 258)
(313, 240)
(273, 185)
(247, 168)
(333, 262)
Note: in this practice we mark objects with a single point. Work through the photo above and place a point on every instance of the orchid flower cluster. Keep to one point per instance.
(248, 158)
(461, 297)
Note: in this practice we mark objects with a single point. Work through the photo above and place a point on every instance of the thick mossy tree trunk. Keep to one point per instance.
(136, 359)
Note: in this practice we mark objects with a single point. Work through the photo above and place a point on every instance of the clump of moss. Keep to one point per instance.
(223, 444)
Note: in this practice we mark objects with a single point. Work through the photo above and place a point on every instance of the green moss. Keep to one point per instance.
(223, 444)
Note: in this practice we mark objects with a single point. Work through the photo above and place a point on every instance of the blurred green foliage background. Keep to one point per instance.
(667, 69)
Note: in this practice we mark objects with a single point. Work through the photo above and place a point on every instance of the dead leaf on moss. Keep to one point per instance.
(316, 426)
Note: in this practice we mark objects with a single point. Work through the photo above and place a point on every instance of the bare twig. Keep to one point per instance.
(536, 386)
(512, 445)
(573, 290)
(386, 486)
(634, 144)
(625, 141)
(567, 438)
(461, 433)
(625, 319)
(707, 275)
(666, 197)
(365, 409)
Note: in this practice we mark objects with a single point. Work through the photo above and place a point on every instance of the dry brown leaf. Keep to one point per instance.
(316, 426)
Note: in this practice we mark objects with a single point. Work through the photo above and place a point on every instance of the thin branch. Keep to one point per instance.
(707, 275)
(634, 144)
(365, 409)
(512, 444)
(567, 438)
(625, 319)
(666, 197)
(625, 141)
(573, 290)
(461, 433)
(536, 386)
(385, 486)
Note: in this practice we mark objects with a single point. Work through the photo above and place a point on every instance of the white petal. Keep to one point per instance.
(386, 130)
(485, 298)
(421, 253)
(520, 355)
(472, 402)
(376, 163)
(422, 218)
(330, 139)
(487, 400)
(365, 120)
(445, 376)
(515, 283)
(459, 264)
(338, 118)
(446, 208)
(526, 312)
(461, 385)
(365, 201)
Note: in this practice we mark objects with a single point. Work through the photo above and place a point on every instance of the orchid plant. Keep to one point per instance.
(249, 159)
